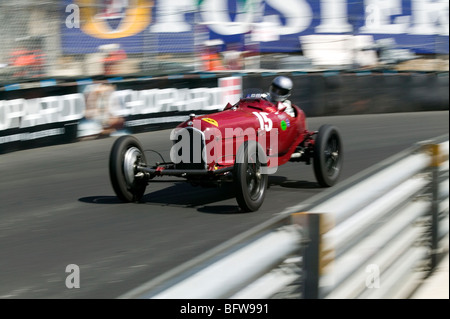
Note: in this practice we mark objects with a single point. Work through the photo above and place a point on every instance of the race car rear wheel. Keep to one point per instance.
(126, 154)
(328, 155)
(250, 177)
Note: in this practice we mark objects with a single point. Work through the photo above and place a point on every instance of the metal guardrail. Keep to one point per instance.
(230, 268)
(387, 228)
(375, 235)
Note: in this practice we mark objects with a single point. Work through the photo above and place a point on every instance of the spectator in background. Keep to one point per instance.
(103, 116)
(27, 63)
(211, 58)
(233, 57)
(114, 56)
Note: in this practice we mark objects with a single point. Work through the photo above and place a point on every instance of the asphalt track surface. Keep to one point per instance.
(57, 207)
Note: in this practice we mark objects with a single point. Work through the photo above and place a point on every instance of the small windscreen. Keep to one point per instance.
(252, 93)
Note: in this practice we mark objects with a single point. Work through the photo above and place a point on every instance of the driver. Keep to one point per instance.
(279, 91)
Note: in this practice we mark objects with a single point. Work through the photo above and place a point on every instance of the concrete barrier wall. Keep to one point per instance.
(335, 93)
(52, 112)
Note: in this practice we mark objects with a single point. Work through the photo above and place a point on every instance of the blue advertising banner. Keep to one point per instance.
(90, 24)
(172, 25)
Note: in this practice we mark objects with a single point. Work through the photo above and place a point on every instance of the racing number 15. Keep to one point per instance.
(264, 122)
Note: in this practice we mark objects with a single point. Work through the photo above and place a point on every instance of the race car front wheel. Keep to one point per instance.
(126, 155)
(250, 177)
(328, 155)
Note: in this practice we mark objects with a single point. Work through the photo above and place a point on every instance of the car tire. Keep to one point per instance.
(126, 153)
(250, 176)
(328, 155)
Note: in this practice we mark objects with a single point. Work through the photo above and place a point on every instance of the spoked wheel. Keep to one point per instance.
(328, 155)
(250, 176)
(126, 155)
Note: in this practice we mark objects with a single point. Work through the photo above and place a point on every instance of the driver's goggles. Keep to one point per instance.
(280, 91)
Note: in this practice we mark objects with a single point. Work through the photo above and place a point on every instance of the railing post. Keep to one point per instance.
(316, 254)
(436, 161)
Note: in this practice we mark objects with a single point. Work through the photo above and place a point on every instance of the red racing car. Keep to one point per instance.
(241, 144)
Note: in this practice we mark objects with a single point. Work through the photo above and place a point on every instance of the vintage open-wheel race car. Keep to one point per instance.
(241, 144)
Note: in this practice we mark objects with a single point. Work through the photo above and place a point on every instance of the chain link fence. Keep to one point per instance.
(38, 39)
(44, 39)
(30, 38)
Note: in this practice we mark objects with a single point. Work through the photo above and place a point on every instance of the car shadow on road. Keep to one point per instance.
(283, 181)
(203, 199)
(184, 194)
(221, 209)
(179, 194)
(105, 200)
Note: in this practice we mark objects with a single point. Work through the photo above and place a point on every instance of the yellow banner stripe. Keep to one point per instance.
(136, 20)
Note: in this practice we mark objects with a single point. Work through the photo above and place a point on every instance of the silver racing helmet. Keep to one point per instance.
(280, 89)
